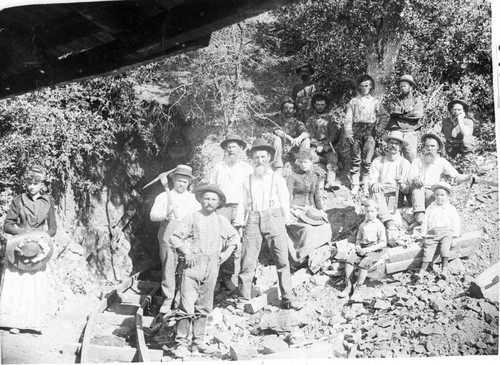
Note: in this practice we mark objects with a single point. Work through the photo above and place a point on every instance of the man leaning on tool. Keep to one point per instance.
(266, 202)
(169, 208)
(229, 175)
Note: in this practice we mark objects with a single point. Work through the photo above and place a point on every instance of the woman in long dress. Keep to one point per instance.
(26, 296)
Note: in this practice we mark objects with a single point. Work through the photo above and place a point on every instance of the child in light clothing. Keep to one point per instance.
(441, 224)
(370, 242)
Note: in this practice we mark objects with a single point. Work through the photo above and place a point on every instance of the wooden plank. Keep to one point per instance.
(121, 320)
(484, 282)
(142, 348)
(135, 300)
(104, 354)
(416, 262)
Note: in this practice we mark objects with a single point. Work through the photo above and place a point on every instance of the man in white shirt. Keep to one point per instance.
(169, 208)
(229, 175)
(266, 205)
(389, 174)
(426, 171)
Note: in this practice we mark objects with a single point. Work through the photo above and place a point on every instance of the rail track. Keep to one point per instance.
(114, 331)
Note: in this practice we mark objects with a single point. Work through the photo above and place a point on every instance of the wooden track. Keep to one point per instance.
(115, 329)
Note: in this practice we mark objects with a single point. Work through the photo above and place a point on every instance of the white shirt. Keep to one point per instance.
(183, 204)
(230, 179)
(262, 195)
(441, 216)
(431, 173)
(385, 171)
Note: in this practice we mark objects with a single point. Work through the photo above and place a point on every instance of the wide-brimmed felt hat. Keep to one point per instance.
(29, 251)
(434, 136)
(408, 79)
(199, 191)
(458, 101)
(313, 216)
(183, 170)
(305, 65)
(233, 138)
(442, 185)
(261, 145)
(397, 135)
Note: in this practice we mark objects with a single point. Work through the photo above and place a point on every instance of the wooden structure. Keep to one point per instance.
(487, 284)
(50, 44)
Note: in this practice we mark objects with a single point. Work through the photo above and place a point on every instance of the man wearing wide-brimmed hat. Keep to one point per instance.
(457, 130)
(365, 117)
(203, 240)
(389, 174)
(406, 112)
(169, 208)
(426, 171)
(292, 135)
(264, 211)
(303, 91)
(229, 175)
(325, 136)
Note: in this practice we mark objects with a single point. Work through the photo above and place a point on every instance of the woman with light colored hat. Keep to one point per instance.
(457, 130)
(27, 299)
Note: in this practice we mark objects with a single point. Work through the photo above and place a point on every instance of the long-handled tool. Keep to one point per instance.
(469, 192)
(159, 177)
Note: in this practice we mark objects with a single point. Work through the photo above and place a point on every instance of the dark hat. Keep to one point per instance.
(319, 96)
(397, 135)
(29, 251)
(183, 170)
(313, 216)
(261, 145)
(233, 138)
(441, 185)
(434, 136)
(36, 171)
(457, 101)
(305, 65)
(363, 78)
(408, 79)
(198, 193)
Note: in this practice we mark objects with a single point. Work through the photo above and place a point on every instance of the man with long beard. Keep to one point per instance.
(229, 175)
(266, 205)
(426, 171)
(389, 174)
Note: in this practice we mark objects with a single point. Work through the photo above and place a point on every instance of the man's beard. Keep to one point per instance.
(260, 170)
(429, 157)
(231, 159)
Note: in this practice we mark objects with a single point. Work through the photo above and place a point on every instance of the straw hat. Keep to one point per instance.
(408, 79)
(441, 185)
(305, 65)
(313, 216)
(397, 135)
(29, 251)
(183, 170)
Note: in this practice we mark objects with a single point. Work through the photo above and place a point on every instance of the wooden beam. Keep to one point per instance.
(121, 320)
(486, 285)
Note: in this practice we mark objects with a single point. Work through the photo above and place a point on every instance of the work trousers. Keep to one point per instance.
(227, 270)
(410, 151)
(168, 258)
(362, 151)
(278, 144)
(381, 198)
(421, 199)
(197, 296)
(435, 237)
(269, 226)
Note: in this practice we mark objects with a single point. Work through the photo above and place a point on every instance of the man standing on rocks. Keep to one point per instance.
(264, 210)
(169, 208)
(389, 174)
(292, 130)
(426, 171)
(406, 112)
(325, 135)
(204, 240)
(229, 175)
(365, 116)
(303, 91)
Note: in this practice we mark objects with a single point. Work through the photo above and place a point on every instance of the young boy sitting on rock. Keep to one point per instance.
(204, 240)
(370, 242)
(441, 224)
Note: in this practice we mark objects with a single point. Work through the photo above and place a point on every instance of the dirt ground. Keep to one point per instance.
(394, 317)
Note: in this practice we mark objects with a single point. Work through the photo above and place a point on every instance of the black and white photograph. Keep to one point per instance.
(249, 180)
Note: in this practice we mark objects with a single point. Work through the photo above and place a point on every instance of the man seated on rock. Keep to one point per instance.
(303, 91)
(292, 130)
(203, 240)
(457, 130)
(389, 174)
(426, 171)
(325, 135)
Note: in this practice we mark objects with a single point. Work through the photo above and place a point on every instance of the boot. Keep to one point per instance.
(331, 181)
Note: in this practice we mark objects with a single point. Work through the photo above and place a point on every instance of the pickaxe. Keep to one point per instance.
(159, 177)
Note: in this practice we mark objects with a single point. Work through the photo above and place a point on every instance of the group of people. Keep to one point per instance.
(216, 233)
